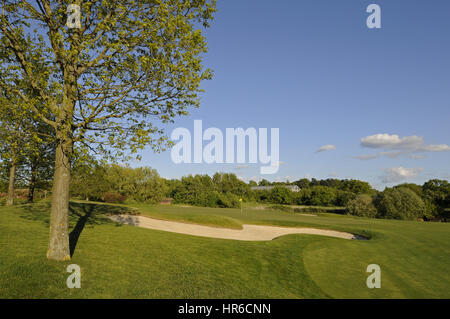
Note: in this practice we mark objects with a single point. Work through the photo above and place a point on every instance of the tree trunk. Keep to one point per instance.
(31, 193)
(32, 185)
(58, 247)
(12, 178)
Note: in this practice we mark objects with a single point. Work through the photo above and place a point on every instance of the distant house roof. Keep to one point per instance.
(293, 188)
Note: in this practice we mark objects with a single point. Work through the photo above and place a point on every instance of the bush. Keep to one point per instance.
(399, 203)
(361, 206)
(229, 200)
(113, 197)
(344, 197)
(261, 196)
(322, 196)
(280, 195)
(436, 195)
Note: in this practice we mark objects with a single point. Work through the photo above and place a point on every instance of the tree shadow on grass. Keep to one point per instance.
(79, 226)
(81, 215)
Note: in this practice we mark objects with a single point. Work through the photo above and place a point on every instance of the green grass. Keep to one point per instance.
(120, 261)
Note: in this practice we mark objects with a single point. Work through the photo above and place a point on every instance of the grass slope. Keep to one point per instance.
(119, 261)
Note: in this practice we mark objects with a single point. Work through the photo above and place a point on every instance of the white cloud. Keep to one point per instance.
(327, 147)
(241, 166)
(395, 146)
(398, 174)
(436, 148)
(387, 141)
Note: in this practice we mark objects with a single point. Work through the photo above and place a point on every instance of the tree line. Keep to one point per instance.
(113, 183)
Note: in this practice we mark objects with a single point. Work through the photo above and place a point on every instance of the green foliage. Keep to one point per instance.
(322, 196)
(414, 187)
(328, 192)
(88, 179)
(252, 183)
(280, 195)
(142, 184)
(399, 203)
(344, 197)
(302, 183)
(362, 206)
(356, 186)
(131, 63)
(93, 181)
(222, 190)
(26, 143)
(262, 196)
(436, 194)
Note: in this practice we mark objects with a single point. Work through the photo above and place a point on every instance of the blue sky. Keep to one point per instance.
(315, 71)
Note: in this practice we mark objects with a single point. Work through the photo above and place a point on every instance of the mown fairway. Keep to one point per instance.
(119, 261)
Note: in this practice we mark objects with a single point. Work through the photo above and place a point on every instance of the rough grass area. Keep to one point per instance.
(119, 261)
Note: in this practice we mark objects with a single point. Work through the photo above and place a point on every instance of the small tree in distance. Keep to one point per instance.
(361, 206)
(399, 203)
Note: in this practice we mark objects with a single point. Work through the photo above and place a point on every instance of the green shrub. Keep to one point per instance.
(362, 206)
(322, 196)
(280, 195)
(399, 203)
(344, 197)
(436, 195)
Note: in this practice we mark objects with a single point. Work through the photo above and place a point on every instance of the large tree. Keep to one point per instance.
(104, 80)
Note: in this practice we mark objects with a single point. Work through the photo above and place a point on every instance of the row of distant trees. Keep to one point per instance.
(408, 201)
(327, 192)
(98, 181)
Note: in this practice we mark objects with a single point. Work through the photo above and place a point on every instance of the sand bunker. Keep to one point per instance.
(249, 232)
